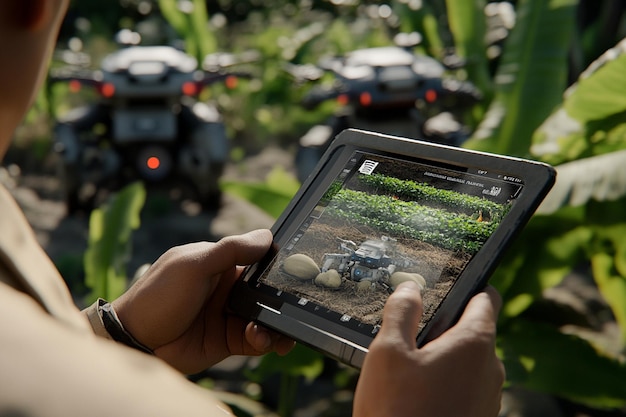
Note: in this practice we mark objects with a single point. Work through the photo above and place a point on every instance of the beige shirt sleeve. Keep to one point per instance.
(53, 369)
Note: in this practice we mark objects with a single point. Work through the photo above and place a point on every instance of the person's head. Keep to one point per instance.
(28, 32)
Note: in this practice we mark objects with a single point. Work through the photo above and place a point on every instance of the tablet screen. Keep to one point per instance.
(383, 220)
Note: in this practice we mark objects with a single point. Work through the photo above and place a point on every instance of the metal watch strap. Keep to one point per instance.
(115, 328)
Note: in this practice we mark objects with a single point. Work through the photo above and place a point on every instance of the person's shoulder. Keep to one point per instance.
(25, 266)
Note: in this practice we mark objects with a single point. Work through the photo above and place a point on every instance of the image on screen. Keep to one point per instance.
(383, 221)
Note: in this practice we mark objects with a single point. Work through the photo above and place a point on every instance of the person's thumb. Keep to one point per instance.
(242, 249)
(402, 314)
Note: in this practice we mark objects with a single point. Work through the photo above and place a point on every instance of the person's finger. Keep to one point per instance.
(263, 340)
(477, 326)
(402, 314)
(482, 310)
(258, 337)
(187, 264)
(241, 249)
(208, 260)
(282, 344)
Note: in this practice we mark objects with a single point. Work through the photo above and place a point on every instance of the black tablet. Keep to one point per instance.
(376, 211)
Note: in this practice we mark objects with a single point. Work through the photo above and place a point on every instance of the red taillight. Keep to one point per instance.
(431, 96)
(74, 86)
(365, 99)
(107, 90)
(190, 88)
(343, 99)
(153, 162)
(231, 81)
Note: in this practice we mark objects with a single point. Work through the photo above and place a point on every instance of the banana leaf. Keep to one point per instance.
(607, 252)
(421, 19)
(271, 195)
(592, 119)
(530, 78)
(548, 248)
(601, 90)
(542, 358)
(191, 24)
(468, 26)
(109, 242)
(205, 40)
(300, 362)
(592, 123)
(599, 178)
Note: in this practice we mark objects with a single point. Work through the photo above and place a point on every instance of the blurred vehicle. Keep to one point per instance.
(146, 124)
(388, 90)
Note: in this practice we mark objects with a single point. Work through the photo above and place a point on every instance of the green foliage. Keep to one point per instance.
(583, 133)
(451, 200)
(547, 249)
(109, 243)
(592, 118)
(191, 25)
(422, 20)
(301, 362)
(436, 226)
(602, 95)
(592, 121)
(527, 115)
(582, 219)
(271, 107)
(607, 251)
(272, 195)
(333, 189)
(468, 25)
(530, 79)
(545, 359)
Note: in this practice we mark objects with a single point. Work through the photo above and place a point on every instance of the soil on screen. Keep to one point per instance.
(438, 266)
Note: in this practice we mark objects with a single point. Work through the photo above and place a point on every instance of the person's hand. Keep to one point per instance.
(456, 374)
(178, 307)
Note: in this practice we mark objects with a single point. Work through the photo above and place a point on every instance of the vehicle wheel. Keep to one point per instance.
(77, 202)
(74, 195)
(72, 202)
(306, 160)
(211, 201)
(311, 147)
(209, 194)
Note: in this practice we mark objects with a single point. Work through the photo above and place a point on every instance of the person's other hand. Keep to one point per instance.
(178, 307)
(456, 374)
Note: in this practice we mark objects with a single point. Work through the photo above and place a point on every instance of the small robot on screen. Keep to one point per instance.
(374, 263)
